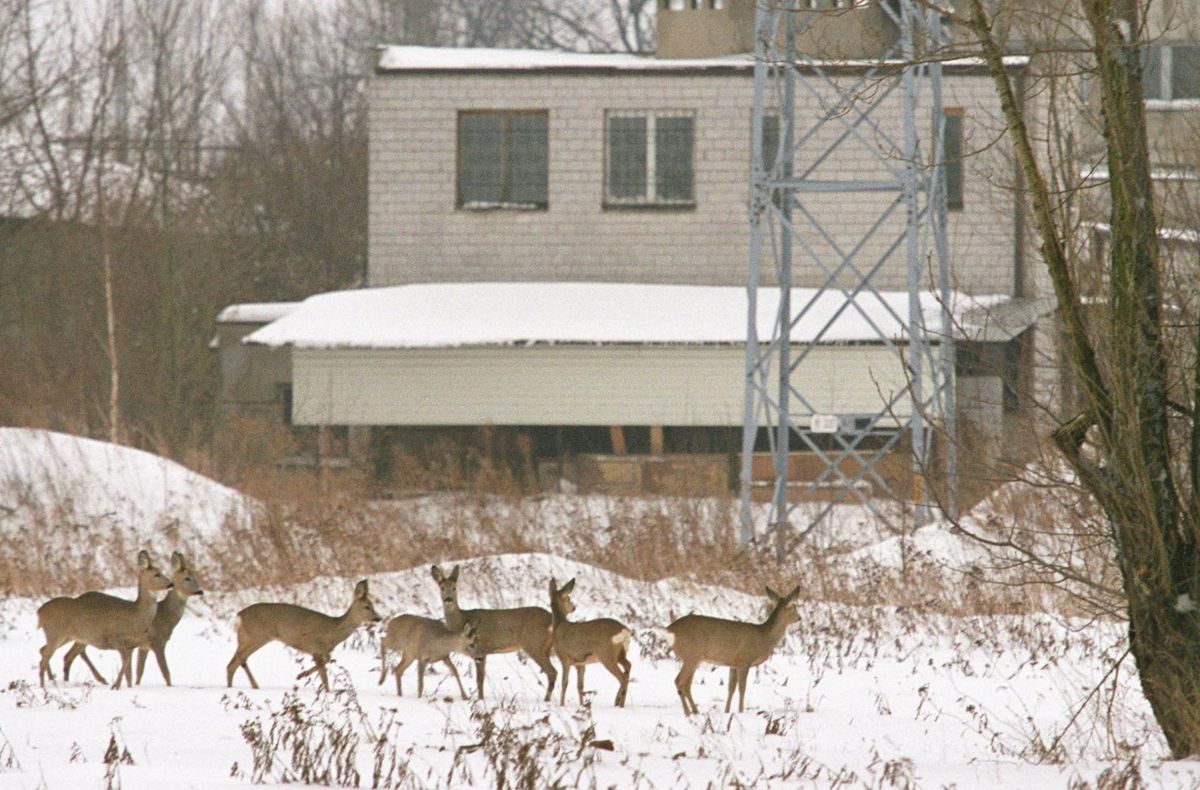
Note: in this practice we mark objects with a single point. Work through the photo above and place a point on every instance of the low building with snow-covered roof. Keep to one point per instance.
(558, 246)
(256, 380)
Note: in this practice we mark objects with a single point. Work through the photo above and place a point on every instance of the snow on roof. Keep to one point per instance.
(446, 315)
(255, 312)
(411, 58)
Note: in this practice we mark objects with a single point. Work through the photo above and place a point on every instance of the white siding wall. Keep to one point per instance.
(417, 235)
(567, 385)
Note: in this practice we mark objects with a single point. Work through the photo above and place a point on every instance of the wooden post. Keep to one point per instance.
(617, 433)
(656, 440)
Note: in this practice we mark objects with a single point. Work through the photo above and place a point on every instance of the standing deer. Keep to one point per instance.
(167, 615)
(580, 644)
(425, 640)
(299, 628)
(499, 630)
(102, 621)
(697, 639)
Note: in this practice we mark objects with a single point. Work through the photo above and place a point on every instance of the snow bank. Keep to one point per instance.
(69, 484)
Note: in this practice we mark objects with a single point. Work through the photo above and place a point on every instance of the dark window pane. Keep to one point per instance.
(626, 158)
(527, 170)
(1185, 72)
(480, 161)
(952, 163)
(1152, 72)
(770, 141)
(673, 158)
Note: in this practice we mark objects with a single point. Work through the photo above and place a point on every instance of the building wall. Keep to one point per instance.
(251, 376)
(569, 385)
(417, 234)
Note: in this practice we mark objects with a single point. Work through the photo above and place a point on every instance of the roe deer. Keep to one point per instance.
(102, 621)
(299, 628)
(166, 617)
(499, 630)
(425, 640)
(579, 644)
(697, 639)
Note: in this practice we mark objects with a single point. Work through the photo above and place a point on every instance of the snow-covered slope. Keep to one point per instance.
(67, 485)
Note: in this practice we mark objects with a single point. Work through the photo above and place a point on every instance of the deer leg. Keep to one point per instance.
(321, 660)
(731, 687)
(421, 666)
(579, 669)
(240, 656)
(401, 668)
(69, 658)
(48, 650)
(743, 676)
(542, 659)
(160, 656)
(480, 672)
(627, 668)
(383, 665)
(126, 670)
(454, 672)
(95, 673)
(78, 651)
(566, 677)
(683, 684)
(622, 676)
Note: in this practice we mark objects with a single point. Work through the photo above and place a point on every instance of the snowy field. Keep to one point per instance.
(871, 697)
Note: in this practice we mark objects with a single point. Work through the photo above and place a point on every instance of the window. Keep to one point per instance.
(1171, 73)
(648, 158)
(770, 140)
(952, 158)
(502, 160)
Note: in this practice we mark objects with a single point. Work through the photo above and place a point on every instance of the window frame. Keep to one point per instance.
(503, 204)
(959, 173)
(1163, 58)
(649, 200)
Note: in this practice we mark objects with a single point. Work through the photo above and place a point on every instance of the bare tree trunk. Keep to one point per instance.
(1120, 446)
(110, 314)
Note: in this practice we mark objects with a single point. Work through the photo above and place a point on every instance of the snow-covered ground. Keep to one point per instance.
(874, 696)
(89, 487)
(869, 697)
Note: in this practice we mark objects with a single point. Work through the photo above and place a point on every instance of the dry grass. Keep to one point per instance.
(313, 524)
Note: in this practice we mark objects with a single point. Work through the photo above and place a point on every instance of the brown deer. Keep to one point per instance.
(499, 630)
(425, 640)
(697, 639)
(578, 644)
(166, 617)
(300, 629)
(103, 621)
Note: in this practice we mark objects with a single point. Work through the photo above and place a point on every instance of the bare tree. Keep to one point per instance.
(1134, 444)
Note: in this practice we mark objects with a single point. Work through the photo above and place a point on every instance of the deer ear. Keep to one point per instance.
(177, 561)
(553, 587)
(454, 574)
(794, 593)
(360, 590)
(436, 572)
(774, 596)
(568, 586)
(143, 559)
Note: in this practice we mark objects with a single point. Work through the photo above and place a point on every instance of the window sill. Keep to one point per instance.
(1172, 105)
(479, 206)
(661, 207)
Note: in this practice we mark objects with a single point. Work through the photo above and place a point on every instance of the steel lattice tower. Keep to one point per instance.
(850, 112)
